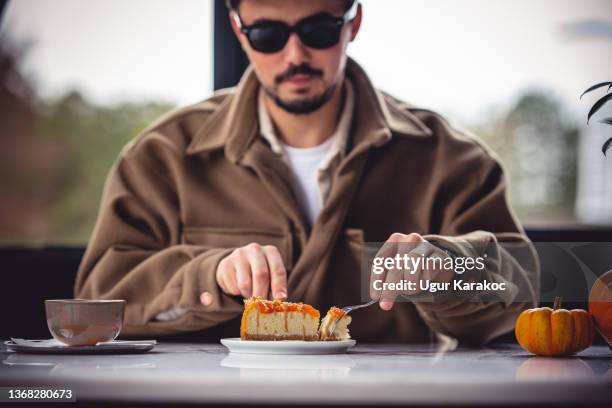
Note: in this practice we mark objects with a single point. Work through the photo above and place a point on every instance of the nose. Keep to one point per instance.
(295, 51)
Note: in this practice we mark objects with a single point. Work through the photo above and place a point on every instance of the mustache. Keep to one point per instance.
(303, 69)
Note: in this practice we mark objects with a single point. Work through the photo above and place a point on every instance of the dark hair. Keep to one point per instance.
(233, 4)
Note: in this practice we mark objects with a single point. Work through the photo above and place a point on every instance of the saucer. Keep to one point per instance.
(52, 346)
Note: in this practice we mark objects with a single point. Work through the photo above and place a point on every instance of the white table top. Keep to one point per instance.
(369, 374)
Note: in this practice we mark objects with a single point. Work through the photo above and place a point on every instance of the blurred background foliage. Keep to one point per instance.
(56, 154)
(538, 145)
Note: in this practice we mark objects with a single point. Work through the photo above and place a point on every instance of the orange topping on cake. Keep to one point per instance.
(271, 306)
(336, 312)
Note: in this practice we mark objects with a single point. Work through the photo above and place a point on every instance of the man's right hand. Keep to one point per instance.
(253, 270)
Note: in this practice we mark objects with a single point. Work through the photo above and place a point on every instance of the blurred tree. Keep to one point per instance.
(93, 136)
(538, 145)
(25, 164)
(56, 155)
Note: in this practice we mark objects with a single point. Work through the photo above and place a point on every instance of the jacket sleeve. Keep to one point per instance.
(135, 252)
(477, 221)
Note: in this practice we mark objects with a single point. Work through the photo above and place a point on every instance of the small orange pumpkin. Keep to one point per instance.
(554, 332)
(600, 305)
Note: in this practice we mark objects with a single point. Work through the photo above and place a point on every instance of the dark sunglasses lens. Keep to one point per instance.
(320, 34)
(268, 38)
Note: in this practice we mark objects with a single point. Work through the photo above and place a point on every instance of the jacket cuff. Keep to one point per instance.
(473, 245)
(473, 320)
(201, 277)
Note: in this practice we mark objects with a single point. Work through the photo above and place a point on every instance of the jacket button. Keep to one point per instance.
(206, 298)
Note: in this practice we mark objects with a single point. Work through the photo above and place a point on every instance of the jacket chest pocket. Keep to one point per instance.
(215, 237)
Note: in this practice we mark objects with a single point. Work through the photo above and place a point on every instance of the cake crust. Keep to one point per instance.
(268, 337)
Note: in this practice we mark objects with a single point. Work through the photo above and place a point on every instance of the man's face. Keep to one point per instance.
(299, 79)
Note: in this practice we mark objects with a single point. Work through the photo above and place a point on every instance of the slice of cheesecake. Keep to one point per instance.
(341, 331)
(276, 320)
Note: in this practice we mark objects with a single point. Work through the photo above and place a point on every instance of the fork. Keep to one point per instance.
(349, 309)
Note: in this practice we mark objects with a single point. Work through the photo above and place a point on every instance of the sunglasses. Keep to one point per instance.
(319, 31)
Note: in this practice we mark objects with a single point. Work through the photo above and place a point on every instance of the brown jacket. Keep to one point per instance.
(201, 181)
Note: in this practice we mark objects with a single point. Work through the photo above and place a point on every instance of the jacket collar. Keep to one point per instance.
(233, 125)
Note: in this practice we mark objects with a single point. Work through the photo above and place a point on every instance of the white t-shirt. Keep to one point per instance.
(306, 164)
(312, 166)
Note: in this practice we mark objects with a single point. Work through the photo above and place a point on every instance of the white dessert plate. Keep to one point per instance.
(236, 345)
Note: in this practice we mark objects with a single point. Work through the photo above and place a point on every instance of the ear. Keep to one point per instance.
(232, 17)
(356, 23)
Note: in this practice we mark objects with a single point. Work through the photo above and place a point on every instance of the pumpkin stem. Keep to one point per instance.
(557, 304)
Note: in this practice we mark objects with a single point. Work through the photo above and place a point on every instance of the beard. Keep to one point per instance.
(302, 106)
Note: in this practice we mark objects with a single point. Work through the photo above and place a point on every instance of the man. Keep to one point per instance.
(271, 189)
